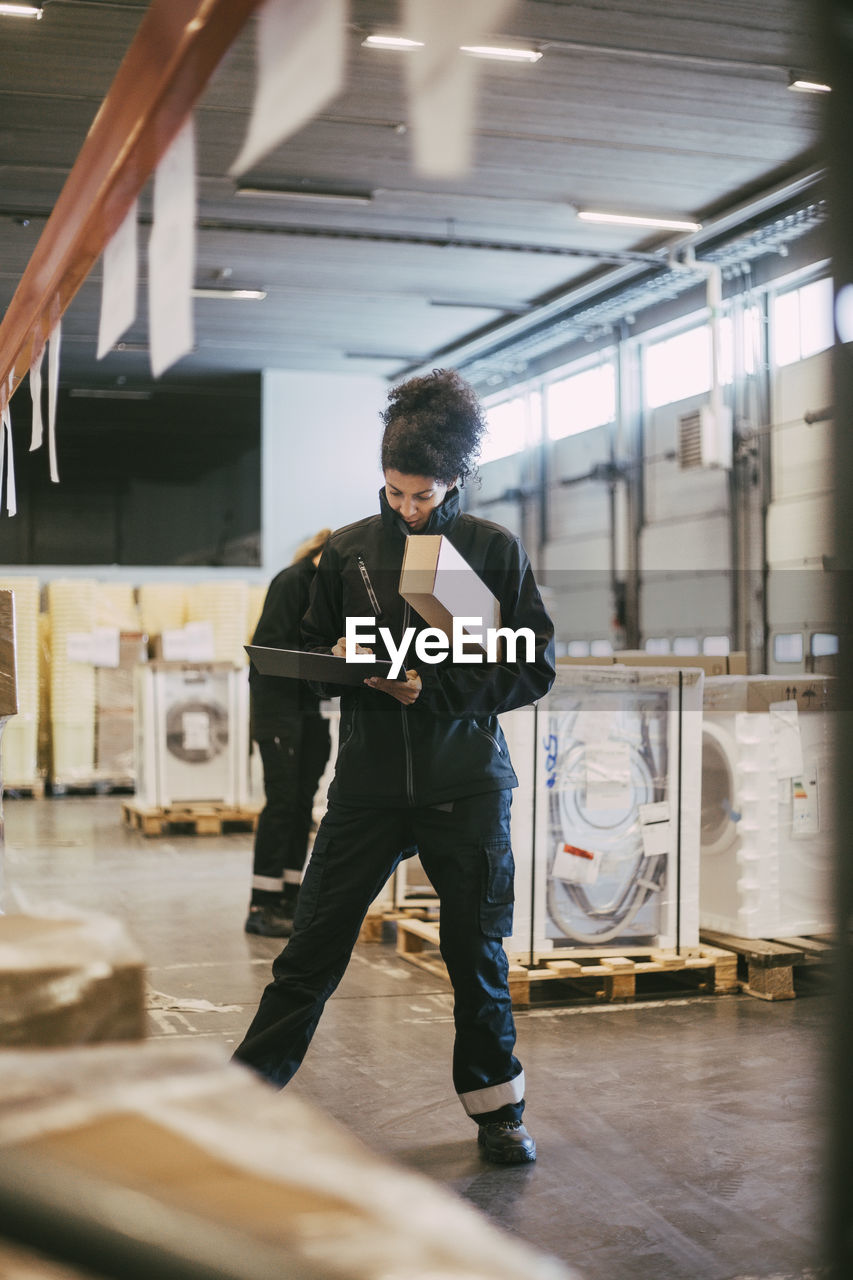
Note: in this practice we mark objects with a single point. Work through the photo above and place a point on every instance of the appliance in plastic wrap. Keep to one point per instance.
(767, 835)
(192, 734)
(605, 820)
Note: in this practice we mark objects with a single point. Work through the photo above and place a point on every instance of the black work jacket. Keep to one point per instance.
(448, 744)
(273, 699)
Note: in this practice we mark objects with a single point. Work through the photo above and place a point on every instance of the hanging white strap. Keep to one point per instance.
(35, 392)
(118, 288)
(301, 59)
(6, 447)
(171, 253)
(52, 392)
(443, 81)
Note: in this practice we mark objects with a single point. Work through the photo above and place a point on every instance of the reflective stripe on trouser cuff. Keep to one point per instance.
(268, 883)
(293, 877)
(479, 1101)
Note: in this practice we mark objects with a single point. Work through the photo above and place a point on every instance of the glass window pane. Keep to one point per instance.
(601, 649)
(824, 644)
(816, 325)
(788, 647)
(657, 644)
(786, 328)
(507, 429)
(716, 646)
(686, 645)
(582, 401)
(678, 367)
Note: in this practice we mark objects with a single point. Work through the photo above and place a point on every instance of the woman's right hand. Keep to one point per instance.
(340, 649)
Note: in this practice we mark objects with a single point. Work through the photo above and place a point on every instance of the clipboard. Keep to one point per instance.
(325, 668)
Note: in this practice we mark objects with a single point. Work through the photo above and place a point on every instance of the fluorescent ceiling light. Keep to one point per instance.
(633, 220)
(107, 393)
(391, 42)
(501, 55)
(802, 85)
(234, 295)
(300, 193)
(406, 357)
(511, 308)
(22, 11)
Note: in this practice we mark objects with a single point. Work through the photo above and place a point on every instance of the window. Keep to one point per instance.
(788, 647)
(512, 425)
(716, 646)
(677, 367)
(657, 644)
(578, 649)
(601, 649)
(687, 646)
(824, 644)
(802, 322)
(582, 401)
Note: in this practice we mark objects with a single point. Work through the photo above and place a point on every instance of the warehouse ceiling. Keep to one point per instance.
(676, 107)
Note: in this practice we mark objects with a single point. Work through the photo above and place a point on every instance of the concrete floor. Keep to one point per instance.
(679, 1139)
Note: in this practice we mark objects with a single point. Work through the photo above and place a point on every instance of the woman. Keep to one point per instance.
(422, 762)
(293, 739)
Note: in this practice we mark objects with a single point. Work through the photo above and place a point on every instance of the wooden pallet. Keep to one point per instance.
(94, 785)
(378, 925)
(33, 790)
(586, 975)
(766, 966)
(188, 819)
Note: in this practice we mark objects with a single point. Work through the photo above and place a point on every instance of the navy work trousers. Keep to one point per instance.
(293, 762)
(465, 850)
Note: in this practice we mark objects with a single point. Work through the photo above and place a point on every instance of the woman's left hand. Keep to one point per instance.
(405, 691)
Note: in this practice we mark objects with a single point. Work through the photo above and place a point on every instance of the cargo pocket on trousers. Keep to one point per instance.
(498, 889)
(312, 883)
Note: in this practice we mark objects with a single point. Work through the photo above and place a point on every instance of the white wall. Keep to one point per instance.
(320, 437)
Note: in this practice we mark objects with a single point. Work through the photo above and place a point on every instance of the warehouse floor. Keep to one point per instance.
(679, 1139)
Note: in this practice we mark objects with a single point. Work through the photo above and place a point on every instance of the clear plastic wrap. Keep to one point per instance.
(182, 1125)
(68, 977)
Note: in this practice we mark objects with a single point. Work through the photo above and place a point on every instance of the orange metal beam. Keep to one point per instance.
(165, 71)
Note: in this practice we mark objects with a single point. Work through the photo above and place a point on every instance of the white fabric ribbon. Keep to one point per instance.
(301, 58)
(52, 392)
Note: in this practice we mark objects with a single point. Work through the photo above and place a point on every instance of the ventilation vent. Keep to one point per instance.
(705, 438)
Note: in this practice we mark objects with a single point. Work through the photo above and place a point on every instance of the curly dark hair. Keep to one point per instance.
(433, 427)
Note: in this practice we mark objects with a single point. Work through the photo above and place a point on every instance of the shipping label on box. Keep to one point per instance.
(440, 585)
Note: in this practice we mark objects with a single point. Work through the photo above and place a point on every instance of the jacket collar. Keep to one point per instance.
(441, 519)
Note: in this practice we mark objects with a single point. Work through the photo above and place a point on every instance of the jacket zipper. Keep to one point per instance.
(407, 743)
(368, 586)
(497, 746)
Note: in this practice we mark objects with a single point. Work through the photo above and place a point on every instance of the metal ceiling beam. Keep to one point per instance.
(503, 335)
(176, 49)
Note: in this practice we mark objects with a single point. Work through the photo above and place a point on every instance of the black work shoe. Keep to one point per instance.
(506, 1142)
(268, 922)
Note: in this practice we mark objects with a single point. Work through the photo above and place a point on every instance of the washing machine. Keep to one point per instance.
(191, 730)
(767, 828)
(605, 824)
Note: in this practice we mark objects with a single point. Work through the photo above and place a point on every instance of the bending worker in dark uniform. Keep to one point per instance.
(293, 739)
(421, 762)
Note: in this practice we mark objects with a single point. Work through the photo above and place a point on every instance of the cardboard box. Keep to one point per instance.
(68, 981)
(712, 665)
(8, 677)
(183, 1128)
(757, 694)
(440, 585)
